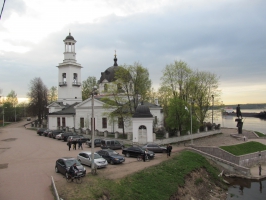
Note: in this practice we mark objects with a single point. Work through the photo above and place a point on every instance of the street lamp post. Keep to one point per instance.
(191, 122)
(212, 107)
(93, 170)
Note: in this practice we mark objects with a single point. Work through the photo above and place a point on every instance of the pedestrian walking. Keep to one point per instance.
(260, 169)
(144, 155)
(74, 144)
(80, 144)
(69, 145)
(168, 150)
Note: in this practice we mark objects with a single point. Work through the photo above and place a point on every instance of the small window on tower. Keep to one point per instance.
(75, 76)
(64, 77)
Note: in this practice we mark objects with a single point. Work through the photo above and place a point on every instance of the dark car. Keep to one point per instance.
(97, 142)
(45, 133)
(62, 165)
(155, 148)
(135, 151)
(77, 137)
(111, 156)
(66, 135)
(40, 131)
(55, 133)
(111, 144)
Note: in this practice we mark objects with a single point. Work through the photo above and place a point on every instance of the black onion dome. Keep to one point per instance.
(109, 73)
(142, 111)
(70, 37)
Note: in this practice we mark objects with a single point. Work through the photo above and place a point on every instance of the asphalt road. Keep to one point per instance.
(27, 163)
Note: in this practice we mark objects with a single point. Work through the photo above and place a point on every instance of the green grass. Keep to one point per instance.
(245, 148)
(157, 182)
(259, 134)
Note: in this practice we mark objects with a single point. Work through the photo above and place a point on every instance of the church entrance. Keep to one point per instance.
(142, 134)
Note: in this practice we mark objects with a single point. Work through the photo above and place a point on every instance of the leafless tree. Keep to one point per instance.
(38, 96)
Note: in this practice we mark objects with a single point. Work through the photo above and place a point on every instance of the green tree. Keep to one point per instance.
(87, 87)
(205, 84)
(117, 108)
(135, 83)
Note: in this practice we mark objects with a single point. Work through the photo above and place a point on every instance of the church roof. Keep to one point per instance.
(109, 73)
(70, 37)
(142, 111)
(68, 110)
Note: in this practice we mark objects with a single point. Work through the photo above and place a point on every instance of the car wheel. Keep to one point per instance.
(127, 155)
(112, 162)
(56, 170)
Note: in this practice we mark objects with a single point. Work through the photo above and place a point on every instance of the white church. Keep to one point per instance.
(70, 111)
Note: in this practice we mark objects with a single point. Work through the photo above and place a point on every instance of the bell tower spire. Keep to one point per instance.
(69, 54)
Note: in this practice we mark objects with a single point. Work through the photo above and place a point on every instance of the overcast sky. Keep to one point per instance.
(224, 37)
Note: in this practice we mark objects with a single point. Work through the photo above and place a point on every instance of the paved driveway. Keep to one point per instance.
(27, 163)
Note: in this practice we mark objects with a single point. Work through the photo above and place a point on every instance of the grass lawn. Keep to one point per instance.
(156, 182)
(245, 148)
(260, 134)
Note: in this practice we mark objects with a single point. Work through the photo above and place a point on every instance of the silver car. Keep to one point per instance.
(85, 158)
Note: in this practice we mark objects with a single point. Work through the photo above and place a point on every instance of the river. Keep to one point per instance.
(242, 189)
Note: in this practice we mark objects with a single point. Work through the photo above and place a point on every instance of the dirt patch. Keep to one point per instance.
(9, 139)
(3, 166)
(198, 186)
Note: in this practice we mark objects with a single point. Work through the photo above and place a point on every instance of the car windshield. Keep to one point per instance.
(69, 163)
(97, 156)
(112, 153)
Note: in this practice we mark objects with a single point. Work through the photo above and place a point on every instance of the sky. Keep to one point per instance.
(224, 37)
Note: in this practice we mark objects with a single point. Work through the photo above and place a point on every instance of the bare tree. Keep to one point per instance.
(52, 94)
(38, 99)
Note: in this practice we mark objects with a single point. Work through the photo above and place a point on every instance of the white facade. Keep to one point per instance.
(69, 75)
(70, 111)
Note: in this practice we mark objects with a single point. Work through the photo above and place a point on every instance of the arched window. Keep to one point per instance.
(105, 88)
(142, 127)
(75, 78)
(64, 77)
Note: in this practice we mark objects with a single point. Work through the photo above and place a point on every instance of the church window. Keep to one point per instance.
(75, 77)
(64, 77)
(120, 122)
(58, 121)
(81, 122)
(63, 122)
(105, 88)
(104, 122)
(142, 127)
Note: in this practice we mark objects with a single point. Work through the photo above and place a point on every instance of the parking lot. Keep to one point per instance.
(28, 160)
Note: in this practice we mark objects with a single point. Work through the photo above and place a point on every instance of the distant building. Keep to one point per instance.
(70, 111)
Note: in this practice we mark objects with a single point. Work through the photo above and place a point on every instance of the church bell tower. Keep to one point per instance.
(69, 74)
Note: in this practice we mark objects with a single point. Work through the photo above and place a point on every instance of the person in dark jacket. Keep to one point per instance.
(168, 150)
(69, 145)
(80, 144)
(74, 142)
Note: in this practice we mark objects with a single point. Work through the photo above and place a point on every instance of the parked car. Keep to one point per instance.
(59, 136)
(97, 142)
(111, 144)
(51, 133)
(85, 158)
(65, 135)
(155, 148)
(45, 133)
(62, 165)
(111, 156)
(40, 131)
(55, 133)
(77, 137)
(135, 151)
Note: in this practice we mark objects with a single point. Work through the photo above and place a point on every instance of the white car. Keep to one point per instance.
(85, 158)
(59, 136)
